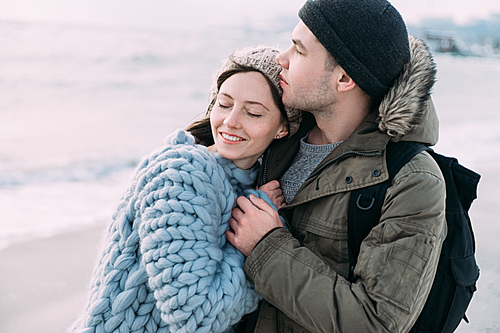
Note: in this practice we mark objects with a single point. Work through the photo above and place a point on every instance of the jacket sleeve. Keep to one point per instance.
(395, 269)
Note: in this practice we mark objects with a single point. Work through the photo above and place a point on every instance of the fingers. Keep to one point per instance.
(280, 201)
(237, 213)
(231, 234)
(272, 185)
(250, 204)
(257, 202)
(243, 204)
(233, 224)
(273, 190)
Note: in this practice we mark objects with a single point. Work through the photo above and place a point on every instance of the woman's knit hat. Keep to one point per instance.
(263, 59)
(368, 38)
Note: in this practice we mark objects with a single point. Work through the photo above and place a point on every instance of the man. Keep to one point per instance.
(352, 67)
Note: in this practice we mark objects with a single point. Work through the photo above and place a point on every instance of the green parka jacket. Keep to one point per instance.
(302, 274)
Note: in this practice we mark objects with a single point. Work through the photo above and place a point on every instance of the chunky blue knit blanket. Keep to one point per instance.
(165, 264)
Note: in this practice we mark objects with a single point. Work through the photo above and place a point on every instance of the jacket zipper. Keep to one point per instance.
(264, 162)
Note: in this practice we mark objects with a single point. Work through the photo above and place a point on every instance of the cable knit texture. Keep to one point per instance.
(165, 265)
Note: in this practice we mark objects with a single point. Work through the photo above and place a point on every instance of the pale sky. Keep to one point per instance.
(199, 13)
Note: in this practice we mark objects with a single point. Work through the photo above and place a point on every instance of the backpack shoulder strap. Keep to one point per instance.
(365, 204)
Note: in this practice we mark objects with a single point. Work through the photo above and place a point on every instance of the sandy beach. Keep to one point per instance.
(43, 281)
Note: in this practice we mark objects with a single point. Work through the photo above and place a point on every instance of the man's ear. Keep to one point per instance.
(345, 82)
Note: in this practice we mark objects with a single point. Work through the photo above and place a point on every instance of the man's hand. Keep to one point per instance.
(273, 190)
(252, 220)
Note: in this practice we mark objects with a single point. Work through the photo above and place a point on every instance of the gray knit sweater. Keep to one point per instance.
(306, 160)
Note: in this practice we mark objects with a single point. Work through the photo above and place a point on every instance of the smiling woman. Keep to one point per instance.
(165, 264)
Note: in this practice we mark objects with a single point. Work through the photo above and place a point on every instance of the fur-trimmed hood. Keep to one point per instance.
(407, 112)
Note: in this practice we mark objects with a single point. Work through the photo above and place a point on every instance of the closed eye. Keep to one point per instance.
(298, 44)
(254, 115)
(222, 106)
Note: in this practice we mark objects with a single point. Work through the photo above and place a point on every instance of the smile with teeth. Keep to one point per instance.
(231, 137)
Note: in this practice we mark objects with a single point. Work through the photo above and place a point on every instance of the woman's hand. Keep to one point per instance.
(273, 190)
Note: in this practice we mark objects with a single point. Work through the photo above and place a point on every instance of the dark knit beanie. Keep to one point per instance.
(368, 38)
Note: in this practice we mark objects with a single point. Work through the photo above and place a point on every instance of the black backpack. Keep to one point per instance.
(457, 271)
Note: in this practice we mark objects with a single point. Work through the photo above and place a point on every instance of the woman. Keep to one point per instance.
(165, 264)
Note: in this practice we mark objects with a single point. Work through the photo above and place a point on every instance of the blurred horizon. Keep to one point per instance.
(196, 14)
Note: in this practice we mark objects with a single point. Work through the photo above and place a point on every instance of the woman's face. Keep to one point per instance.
(245, 119)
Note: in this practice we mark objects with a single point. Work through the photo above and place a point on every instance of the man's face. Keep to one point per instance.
(307, 84)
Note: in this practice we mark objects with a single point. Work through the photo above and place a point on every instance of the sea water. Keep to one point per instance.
(80, 105)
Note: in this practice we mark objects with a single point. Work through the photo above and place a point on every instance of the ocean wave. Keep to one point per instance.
(72, 172)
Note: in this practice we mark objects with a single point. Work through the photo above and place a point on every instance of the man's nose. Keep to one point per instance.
(282, 59)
